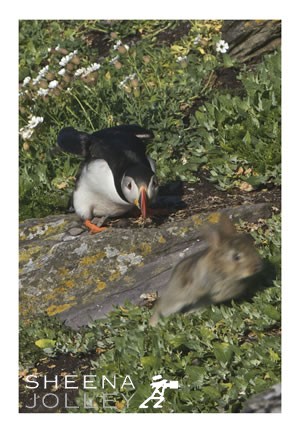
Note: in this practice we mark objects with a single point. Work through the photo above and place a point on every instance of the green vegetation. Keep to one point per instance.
(220, 355)
(160, 74)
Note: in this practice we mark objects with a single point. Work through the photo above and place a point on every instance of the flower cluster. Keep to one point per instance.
(50, 82)
(40, 75)
(68, 58)
(85, 71)
(27, 131)
(122, 48)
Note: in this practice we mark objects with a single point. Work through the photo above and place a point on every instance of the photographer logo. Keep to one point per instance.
(159, 385)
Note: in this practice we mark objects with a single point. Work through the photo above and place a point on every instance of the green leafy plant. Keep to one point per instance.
(220, 355)
(141, 76)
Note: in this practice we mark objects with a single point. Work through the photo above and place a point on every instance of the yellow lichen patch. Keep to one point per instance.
(26, 253)
(37, 229)
(145, 248)
(84, 275)
(101, 285)
(70, 283)
(183, 231)
(213, 217)
(89, 260)
(22, 236)
(197, 220)
(54, 229)
(64, 286)
(64, 271)
(114, 276)
(161, 240)
(57, 309)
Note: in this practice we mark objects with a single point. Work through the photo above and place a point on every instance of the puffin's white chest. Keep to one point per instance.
(95, 194)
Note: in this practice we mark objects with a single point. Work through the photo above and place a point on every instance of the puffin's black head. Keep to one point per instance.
(139, 186)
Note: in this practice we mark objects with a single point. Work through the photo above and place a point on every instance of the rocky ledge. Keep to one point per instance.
(66, 271)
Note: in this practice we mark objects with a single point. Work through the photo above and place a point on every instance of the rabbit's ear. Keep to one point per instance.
(226, 226)
(213, 238)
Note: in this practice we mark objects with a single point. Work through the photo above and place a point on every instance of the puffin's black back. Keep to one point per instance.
(101, 144)
(119, 144)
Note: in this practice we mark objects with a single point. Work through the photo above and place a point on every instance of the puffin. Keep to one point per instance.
(116, 173)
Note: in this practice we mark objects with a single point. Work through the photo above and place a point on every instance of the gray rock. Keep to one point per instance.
(83, 278)
(75, 231)
(265, 402)
(250, 39)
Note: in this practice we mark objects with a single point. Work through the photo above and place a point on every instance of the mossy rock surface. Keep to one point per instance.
(81, 278)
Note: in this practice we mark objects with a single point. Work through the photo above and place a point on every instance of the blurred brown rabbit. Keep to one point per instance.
(214, 274)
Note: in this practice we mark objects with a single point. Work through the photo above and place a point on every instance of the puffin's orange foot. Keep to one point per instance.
(92, 227)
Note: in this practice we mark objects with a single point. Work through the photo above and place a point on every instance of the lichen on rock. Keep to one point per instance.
(82, 278)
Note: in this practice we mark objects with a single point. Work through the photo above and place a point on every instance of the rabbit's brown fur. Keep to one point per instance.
(213, 275)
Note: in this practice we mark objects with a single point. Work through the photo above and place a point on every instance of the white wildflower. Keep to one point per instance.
(57, 47)
(40, 75)
(113, 60)
(181, 58)
(122, 83)
(34, 121)
(197, 40)
(131, 77)
(49, 49)
(118, 44)
(128, 78)
(84, 71)
(80, 71)
(126, 46)
(92, 68)
(26, 80)
(66, 59)
(27, 131)
(53, 84)
(222, 46)
(62, 72)
(183, 160)
(43, 71)
(43, 92)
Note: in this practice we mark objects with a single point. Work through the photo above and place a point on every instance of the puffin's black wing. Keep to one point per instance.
(104, 144)
(76, 142)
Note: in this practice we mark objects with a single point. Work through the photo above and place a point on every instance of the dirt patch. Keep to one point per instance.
(179, 200)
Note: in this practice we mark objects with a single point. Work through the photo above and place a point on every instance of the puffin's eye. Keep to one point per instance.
(129, 186)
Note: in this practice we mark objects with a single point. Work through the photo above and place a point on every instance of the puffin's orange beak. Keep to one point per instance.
(143, 201)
